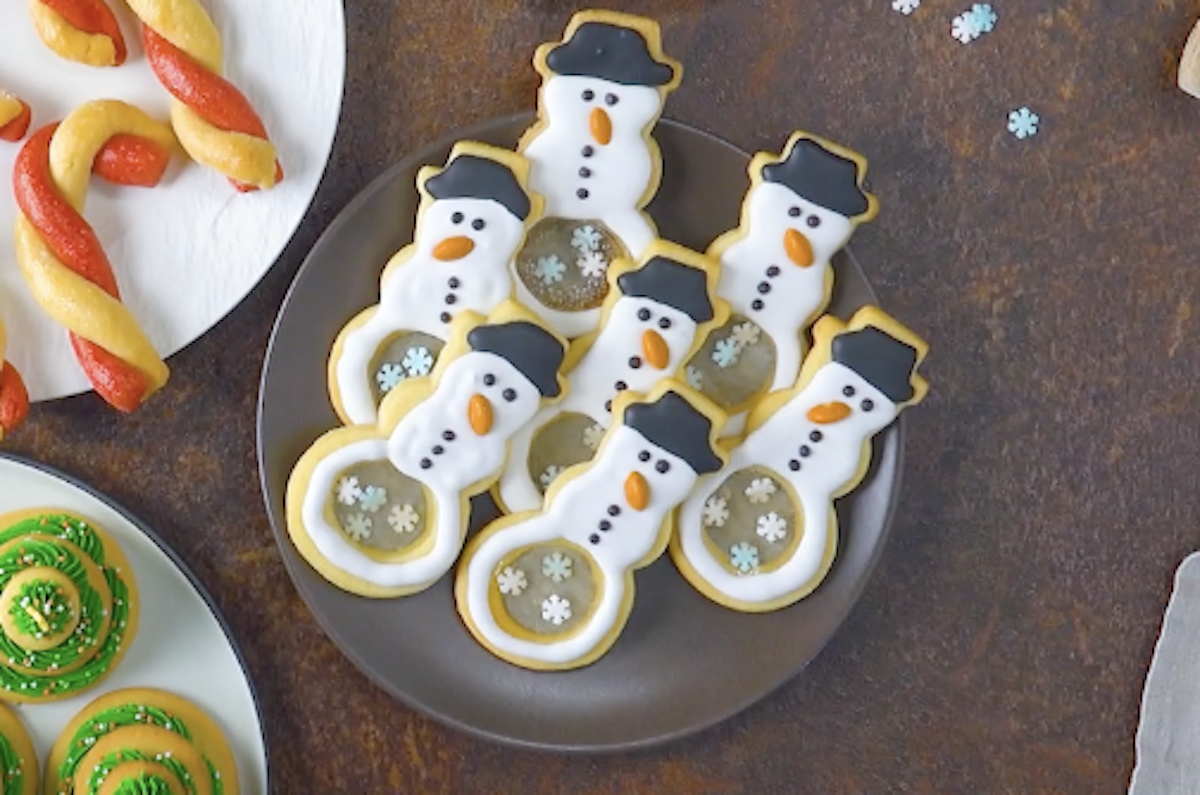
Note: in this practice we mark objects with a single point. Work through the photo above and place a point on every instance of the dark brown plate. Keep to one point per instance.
(683, 663)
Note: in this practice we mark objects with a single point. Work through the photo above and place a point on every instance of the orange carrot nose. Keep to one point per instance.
(453, 248)
(827, 413)
(658, 355)
(637, 491)
(479, 414)
(798, 249)
(601, 126)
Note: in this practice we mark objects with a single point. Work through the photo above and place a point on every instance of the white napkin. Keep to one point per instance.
(1168, 737)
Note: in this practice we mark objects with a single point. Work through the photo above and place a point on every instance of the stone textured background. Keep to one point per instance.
(1002, 644)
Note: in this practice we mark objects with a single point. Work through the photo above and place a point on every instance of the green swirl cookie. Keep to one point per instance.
(68, 606)
(18, 761)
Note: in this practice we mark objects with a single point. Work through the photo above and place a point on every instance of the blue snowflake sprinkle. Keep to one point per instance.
(744, 557)
(389, 376)
(372, 498)
(550, 270)
(1023, 122)
(726, 352)
(418, 361)
(985, 17)
(585, 239)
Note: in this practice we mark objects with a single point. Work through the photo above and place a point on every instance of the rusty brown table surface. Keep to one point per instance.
(1002, 644)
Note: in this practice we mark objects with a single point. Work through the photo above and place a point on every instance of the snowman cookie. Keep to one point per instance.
(552, 589)
(761, 533)
(656, 314)
(802, 207)
(382, 510)
(593, 159)
(472, 220)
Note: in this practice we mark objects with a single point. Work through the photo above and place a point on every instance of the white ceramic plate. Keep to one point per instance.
(186, 252)
(181, 644)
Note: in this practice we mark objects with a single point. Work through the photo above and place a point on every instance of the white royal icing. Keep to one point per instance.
(467, 460)
(592, 383)
(796, 295)
(832, 463)
(620, 172)
(413, 295)
(575, 515)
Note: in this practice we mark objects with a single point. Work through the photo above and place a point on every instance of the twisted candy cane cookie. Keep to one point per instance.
(79, 30)
(14, 117)
(213, 119)
(68, 606)
(14, 399)
(58, 251)
(18, 760)
(141, 741)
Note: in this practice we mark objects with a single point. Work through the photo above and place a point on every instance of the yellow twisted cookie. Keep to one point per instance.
(14, 117)
(214, 121)
(79, 30)
(62, 260)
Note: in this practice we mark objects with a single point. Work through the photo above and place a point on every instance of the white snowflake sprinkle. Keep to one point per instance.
(716, 512)
(771, 527)
(592, 265)
(592, 436)
(403, 518)
(965, 27)
(512, 581)
(760, 490)
(358, 526)
(550, 475)
(557, 566)
(906, 7)
(693, 378)
(556, 610)
(746, 334)
(348, 490)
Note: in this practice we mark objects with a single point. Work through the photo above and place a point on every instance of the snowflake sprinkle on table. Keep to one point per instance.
(985, 17)
(906, 7)
(744, 557)
(592, 435)
(548, 476)
(726, 353)
(512, 581)
(716, 512)
(965, 27)
(585, 239)
(372, 498)
(592, 265)
(418, 361)
(557, 566)
(556, 609)
(348, 490)
(760, 490)
(1023, 122)
(550, 270)
(771, 527)
(404, 518)
(358, 526)
(389, 376)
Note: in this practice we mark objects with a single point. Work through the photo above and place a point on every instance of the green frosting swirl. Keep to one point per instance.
(42, 597)
(105, 766)
(11, 767)
(40, 548)
(144, 785)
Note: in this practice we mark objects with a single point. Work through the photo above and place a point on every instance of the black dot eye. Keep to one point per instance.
(644, 315)
(611, 99)
(644, 456)
(478, 224)
(510, 395)
(663, 466)
(448, 436)
(614, 510)
(664, 323)
(794, 212)
(489, 380)
(868, 404)
(457, 218)
(816, 436)
(588, 95)
(848, 391)
(813, 221)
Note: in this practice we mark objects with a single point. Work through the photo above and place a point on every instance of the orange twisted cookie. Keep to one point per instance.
(59, 254)
(14, 400)
(214, 121)
(14, 117)
(80, 30)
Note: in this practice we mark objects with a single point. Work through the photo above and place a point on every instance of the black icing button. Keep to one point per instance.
(454, 283)
(764, 288)
(620, 386)
(588, 151)
(585, 172)
(756, 304)
(608, 405)
(595, 539)
(614, 510)
(451, 298)
(448, 436)
(794, 465)
(815, 436)
(804, 451)
(635, 362)
(773, 271)
(605, 525)
(426, 463)
(438, 449)
(582, 193)
(445, 317)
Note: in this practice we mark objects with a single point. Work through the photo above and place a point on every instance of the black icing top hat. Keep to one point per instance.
(820, 176)
(530, 348)
(883, 361)
(672, 283)
(611, 52)
(678, 427)
(472, 177)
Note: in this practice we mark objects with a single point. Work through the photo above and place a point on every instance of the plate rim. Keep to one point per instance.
(368, 193)
(184, 569)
